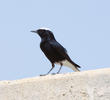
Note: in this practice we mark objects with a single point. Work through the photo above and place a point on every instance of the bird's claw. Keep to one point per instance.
(43, 74)
(53, 73)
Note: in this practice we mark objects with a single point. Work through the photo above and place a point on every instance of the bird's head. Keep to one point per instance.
(44, 33)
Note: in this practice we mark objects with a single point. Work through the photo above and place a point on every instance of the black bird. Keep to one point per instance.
(54, 51)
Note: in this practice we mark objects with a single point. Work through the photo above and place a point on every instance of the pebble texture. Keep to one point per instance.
(86, 85)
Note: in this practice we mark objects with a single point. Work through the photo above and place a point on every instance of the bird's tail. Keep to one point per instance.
(71, 65)
(76, 69)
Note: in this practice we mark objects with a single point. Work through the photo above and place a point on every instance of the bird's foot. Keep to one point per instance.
(47, 74)
(43, 74)
(54, 73)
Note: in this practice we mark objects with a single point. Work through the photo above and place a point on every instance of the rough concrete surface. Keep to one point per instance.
(86, 85)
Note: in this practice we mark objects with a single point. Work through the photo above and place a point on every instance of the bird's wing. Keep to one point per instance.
(61, 50)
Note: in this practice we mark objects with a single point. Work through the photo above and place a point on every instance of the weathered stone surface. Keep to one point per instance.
(86, 85)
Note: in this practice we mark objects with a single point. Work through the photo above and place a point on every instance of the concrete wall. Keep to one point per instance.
(87, 85)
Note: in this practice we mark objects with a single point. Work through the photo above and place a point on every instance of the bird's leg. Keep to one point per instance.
(49, 70)
(60, 68)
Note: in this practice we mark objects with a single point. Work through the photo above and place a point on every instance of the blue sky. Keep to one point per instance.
(81, 26)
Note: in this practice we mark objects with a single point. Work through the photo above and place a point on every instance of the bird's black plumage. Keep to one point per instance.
(54, 51)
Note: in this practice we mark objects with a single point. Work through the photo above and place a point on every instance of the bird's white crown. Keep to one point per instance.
(45, 28)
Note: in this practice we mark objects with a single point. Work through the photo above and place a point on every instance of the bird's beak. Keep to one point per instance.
(34, 31)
